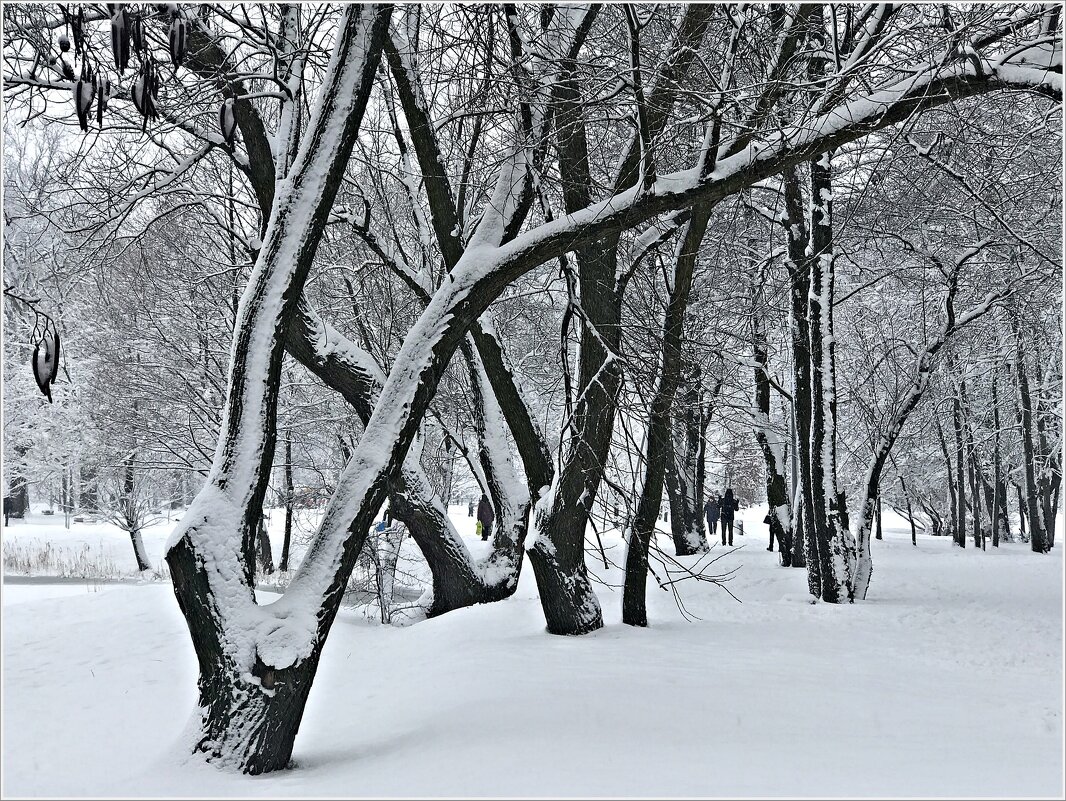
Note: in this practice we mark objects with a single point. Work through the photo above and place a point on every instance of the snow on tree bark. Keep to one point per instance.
(256, 666)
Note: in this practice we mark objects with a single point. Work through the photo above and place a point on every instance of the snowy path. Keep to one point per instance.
(947, 682)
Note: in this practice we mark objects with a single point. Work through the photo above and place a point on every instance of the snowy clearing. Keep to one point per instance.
(948, 681)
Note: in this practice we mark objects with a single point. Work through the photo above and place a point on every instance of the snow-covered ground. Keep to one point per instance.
(948, 681)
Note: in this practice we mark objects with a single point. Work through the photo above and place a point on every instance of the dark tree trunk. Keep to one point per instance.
(675, 501)
(557, 554)
(19, 489)
(1037, 532)
(89, 495)
(799, 548)
(960, 473)
(685, 470)
(910, 512)
(131, 513)
(1021, 511)
(1000, 518)
(265, 552)
(20, 497)
(878, 535)
(289, 499)
(975, 493)
(1048, 473)
(243, 727)
(828, 513)
(456, 581)
(950, 471)
(800, 287)
(770, 442)
(65, 494)
(1055, 507)
(250, 711)
(660, 435)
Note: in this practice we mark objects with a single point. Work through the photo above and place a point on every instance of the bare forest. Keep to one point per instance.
(394, 307)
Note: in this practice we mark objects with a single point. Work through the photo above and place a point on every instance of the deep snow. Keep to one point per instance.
(948, 681)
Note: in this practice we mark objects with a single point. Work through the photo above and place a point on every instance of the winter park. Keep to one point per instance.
(532, 400)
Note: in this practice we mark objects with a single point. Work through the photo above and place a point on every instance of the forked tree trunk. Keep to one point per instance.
(253, 680)
(249, 721)
(457, 581)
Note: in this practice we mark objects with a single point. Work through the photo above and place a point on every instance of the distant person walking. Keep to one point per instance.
(726, 507)
(485, 517)
(710, 510)
(470, 509)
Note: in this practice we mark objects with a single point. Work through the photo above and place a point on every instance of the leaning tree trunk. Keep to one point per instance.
(253, 681)
(456, 580)
(660, 436)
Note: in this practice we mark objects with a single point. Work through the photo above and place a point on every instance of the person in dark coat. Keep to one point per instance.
(710, 511)
(485, 516)
(726, 507)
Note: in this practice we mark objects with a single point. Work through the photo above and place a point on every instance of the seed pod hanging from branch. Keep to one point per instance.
(103, 93)
(77, 28)
(37, 362)
(120, 35)
(178, 33)
(84, 90)
(55, 357)
(64, 42)
(137, 38)
(145, 92)
(45, 363)
(227, 121)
